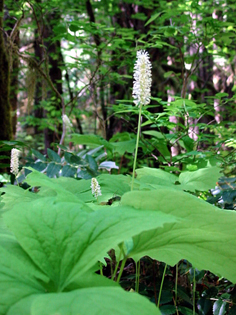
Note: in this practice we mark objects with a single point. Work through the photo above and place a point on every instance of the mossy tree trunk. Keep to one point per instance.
(5, 107)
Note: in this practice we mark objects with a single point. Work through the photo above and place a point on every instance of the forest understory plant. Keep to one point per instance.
(59, 225)
(141, 93)
(73, 226)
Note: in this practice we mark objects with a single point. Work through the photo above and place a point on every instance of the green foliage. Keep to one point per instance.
(52, 249)
(81, 165)
(55, 235)
(205, 237)
(68, 240)
(198, 180)
(87, 301)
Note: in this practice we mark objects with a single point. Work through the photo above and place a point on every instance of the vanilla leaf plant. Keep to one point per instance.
(50, 254)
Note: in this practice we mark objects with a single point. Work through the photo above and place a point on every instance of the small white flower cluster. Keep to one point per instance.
(96, 189)
(142, 79)
(14, 167)
(67, 122)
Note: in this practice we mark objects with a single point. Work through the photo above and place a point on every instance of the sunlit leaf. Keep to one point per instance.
(206, 237)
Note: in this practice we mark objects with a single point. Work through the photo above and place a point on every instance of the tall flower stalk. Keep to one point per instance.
(141, 95)
(141, 92)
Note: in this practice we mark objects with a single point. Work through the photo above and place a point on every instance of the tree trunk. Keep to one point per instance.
(5, 108)
(10, 23)
(52, 53)
(54, 60)
(38, 95)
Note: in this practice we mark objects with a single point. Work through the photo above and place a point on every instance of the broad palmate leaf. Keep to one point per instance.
(64, 242)
(13, 194)
(70, 189)
(88, 301)
(206, 236)
(18, 275)
(201, 179)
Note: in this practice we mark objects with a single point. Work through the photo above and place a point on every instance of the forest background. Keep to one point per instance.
(77, 59)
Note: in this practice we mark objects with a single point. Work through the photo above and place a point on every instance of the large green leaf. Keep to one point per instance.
(17, 274)
(92, 301)
(14, 194)
(76, 190)
(206, 236)
(152, 177)
(111, 185)
(114, 184)
(65, 189)
(201, 179)
(65, 241)
(61, 243)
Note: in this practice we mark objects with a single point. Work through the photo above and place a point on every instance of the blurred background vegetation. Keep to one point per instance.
(80, 56)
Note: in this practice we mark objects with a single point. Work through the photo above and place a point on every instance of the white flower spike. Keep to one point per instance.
(14, 167)
(67, 122)
(96, 189)
(142, 79)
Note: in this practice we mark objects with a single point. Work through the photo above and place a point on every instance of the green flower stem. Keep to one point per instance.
(162, 281)
(136, 149)
(137, 276)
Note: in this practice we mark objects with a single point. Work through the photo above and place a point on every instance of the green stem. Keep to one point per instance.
(101, 271)
(117, 264)
(137, 276)
(121, 269)
(162, 281)
(136, 149)
(176, 282)
(194, 290)
(176, 289)
(111, 268)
